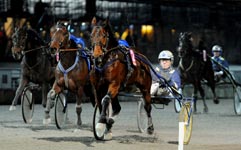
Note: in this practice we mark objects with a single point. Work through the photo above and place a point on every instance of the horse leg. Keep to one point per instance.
(22, 84)
(44, 94)
(205, 109)
(148, 108)
(115, 106)
(195, 99)
(50, 102)
(106, 121)
(78, 106)
(215, 98)
(101, 125)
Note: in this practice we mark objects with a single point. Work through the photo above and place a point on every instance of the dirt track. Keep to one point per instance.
(220, 129)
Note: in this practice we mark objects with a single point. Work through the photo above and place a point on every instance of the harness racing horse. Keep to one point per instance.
(36, 64)
(72, 71)
(113, 70)
(194, 67)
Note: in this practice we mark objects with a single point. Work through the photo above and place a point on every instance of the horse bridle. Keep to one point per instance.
(99, 43)
(16, 42)
(22, 46)
(60, 43)
(183, 52)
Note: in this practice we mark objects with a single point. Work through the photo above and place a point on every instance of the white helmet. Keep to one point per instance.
(217, 48)
(166, 54)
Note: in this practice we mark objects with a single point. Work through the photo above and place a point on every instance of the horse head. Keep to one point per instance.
(19, 38)
(185, 44)
(102, 38)
(60, 38)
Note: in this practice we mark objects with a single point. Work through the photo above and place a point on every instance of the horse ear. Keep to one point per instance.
(189, 34)
(16, 29)
(94, 22)
(107, 20)
(25, 28)
(58, 23)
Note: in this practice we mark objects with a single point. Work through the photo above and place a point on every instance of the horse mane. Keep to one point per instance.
(34, 35)
(192, 50)
(187, 38)
(108, 27)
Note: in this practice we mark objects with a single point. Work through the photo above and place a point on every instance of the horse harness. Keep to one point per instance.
(127, 60)
(66, 71)
(182, 67)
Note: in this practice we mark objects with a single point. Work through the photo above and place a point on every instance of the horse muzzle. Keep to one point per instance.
(17, 53)
(180, 52)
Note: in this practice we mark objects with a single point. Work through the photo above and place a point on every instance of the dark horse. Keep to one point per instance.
(113, 70)
(72, 71)
(36, 64)
(195, 66)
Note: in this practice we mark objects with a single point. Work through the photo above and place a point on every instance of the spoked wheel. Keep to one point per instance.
(186, 116)
(237, 100)
(95, 121)
(177, 106)
(27, 103)
(60, 110)
(97, 134)
(142, 120)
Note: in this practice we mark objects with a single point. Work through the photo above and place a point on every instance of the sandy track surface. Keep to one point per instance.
(220, 129)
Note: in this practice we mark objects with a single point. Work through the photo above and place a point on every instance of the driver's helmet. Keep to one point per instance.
(217, 48)
(166, 54)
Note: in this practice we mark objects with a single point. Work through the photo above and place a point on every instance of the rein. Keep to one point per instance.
(68, 49)
(34, 49)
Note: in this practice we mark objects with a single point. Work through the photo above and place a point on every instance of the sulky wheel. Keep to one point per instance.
(186, 116)
(237, 100)
(27, 103)
(142, 120)
(95, 121)
(60, 110)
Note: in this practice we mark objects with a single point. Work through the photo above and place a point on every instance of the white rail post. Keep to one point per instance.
(181, 135)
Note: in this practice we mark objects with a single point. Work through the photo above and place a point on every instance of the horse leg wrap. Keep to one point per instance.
(105, 103)
(78, 111)
(106, 100)
(52, 94)
(150, 128)
(51, 97)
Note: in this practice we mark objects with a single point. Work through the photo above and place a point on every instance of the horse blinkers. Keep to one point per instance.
(59, 39)
(99, 40)
(19, 43)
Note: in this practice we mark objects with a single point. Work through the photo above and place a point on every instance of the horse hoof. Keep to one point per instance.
(100, 129)
(12, 108)
(47, 121)
(44, 105)
(216, 101)
(205, 110)
(110, 121)
(29, 121)
(108, 136)
(150, 130)
(79, 123)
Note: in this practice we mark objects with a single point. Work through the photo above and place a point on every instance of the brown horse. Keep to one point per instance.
(72, 71)
(36, 65)
(113, 71)
(195, 66)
